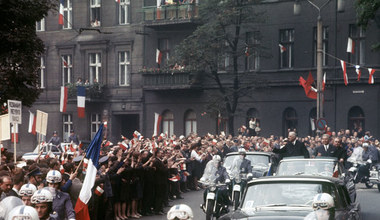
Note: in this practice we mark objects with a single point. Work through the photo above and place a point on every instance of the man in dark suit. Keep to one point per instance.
(326, 149)
(292, 148)
(160, 179)
(340, 152)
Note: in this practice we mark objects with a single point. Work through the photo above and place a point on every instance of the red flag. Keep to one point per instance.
(370, 79)
(358, 71)
(32, 123)
(324, 82)
(72, 149)
(344, 72)
(158, 56)
(282, 48)
(309, 93)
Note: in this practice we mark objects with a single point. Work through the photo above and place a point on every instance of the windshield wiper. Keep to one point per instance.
(272, 205)
(299, 173)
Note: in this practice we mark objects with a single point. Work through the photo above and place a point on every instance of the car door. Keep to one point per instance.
(351, 209)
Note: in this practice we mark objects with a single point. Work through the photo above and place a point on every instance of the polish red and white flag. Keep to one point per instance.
(345, 78)
(371, 79)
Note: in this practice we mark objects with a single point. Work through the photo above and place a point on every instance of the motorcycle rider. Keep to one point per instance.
(324, 208)
(370, 155)
(241, 165)
(180, 212)
(23, 212)
(216, 173)
(42, 201)
(26, 192)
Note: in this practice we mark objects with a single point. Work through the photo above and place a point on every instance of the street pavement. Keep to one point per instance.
(369, 200)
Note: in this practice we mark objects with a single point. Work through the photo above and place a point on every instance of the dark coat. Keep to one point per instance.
(331, 152)
(290, 150)
(63, 206)
(245, 166)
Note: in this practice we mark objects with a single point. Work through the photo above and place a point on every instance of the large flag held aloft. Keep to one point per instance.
(92, 153)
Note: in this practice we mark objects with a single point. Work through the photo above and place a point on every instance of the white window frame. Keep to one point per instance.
(66, 69)
(95, 68)
(95, 123)
(190, 123)
(67, 126)
(67, 14)
(41, 73)
(357, 34)
(124, 66)
(124, 6)
(40, 25)
(95, 5)
(254, 58)
(288, 44)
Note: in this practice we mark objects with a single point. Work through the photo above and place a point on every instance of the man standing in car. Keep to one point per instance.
(292, 148)
(326, 149)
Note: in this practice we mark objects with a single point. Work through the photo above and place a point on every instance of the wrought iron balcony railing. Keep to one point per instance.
(158, 80)
(168, 14)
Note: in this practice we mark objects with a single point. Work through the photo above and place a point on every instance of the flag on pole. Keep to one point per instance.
(61, 6)
(92, 153)
(358, 71)
(307, 87)
(117, 1)
(81, 91)
(350, 45)
(344, 72)
(64, 62)
(246, 50)
(324, 82)
(14, 133)
(370, 79)
(282, 48)
(63, 100)
(158, 56)
(32, 123)
(157, 122)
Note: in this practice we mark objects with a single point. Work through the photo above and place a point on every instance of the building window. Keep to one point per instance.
(67, 14)
(286, 48)
(95, 124)
(356, 120)
(168, 123)
(124, 65)
(95, 67)
(225, 62)
(289, 121)
(164, 47)
(41, 73)
(252, 113)
(67, 126)
(357, 34)
(124, 7)
(66, 69)
(325, 41)
(95, 6)
(313, 120)
(190, 123)
(40, 25)
(251, 52)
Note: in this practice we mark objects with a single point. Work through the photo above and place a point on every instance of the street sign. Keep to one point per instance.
(4, 125)
(41, 122)
(14, 110)
(321, 124)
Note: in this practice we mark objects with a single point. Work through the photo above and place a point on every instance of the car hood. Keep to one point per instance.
(273, 213)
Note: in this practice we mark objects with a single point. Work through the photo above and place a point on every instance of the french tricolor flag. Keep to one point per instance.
(61, 6)
(81, 92)
(92, 153)
(63, 100)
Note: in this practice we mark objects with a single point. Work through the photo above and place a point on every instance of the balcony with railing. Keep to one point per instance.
(170, 80)
(170, 14)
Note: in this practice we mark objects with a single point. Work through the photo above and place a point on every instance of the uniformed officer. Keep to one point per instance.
(55, 140)
(42, 201)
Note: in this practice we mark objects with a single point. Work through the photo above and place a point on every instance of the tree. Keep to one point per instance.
(222, 34)
(368, 10)
(21, 49)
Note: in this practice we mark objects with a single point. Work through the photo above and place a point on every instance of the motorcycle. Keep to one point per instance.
(238, 186)
(374, 175)
(214, 206)
(364, 179)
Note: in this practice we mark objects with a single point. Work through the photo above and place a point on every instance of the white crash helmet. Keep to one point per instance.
(216, 158)
(23, 212)
(323, 201)
(42, 196)
(27, 190)
(54, 176)
(7, 204)
(181, 211)
(242, 151)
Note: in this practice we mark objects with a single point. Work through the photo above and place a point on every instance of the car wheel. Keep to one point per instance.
(369, 185)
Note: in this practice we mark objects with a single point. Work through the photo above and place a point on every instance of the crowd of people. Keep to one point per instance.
(140, 176)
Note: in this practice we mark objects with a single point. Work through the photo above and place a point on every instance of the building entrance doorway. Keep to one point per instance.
(125, 125)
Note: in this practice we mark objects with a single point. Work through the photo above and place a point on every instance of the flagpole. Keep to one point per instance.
(14, 142)
(80, 163)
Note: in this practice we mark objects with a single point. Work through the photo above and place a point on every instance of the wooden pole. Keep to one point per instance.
(14, 142)
(80, 163)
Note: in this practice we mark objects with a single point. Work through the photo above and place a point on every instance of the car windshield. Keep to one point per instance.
(306, 167)
(257, 161)
(284, 194)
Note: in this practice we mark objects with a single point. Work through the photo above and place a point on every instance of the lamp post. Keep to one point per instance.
(297, 10)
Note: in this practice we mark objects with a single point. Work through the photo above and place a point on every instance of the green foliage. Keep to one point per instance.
(222, 33)
(368, 10)
(93, 91)
(21, 49)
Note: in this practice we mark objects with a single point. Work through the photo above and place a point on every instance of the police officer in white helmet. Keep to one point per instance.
(61, 201)
(180, 212)
(324, 208)
(23, 212)
(42, 201)
(26, 192)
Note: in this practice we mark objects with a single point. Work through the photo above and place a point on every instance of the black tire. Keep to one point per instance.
(368, 184)
(236, 200)
(378, 187)
(210, 210)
